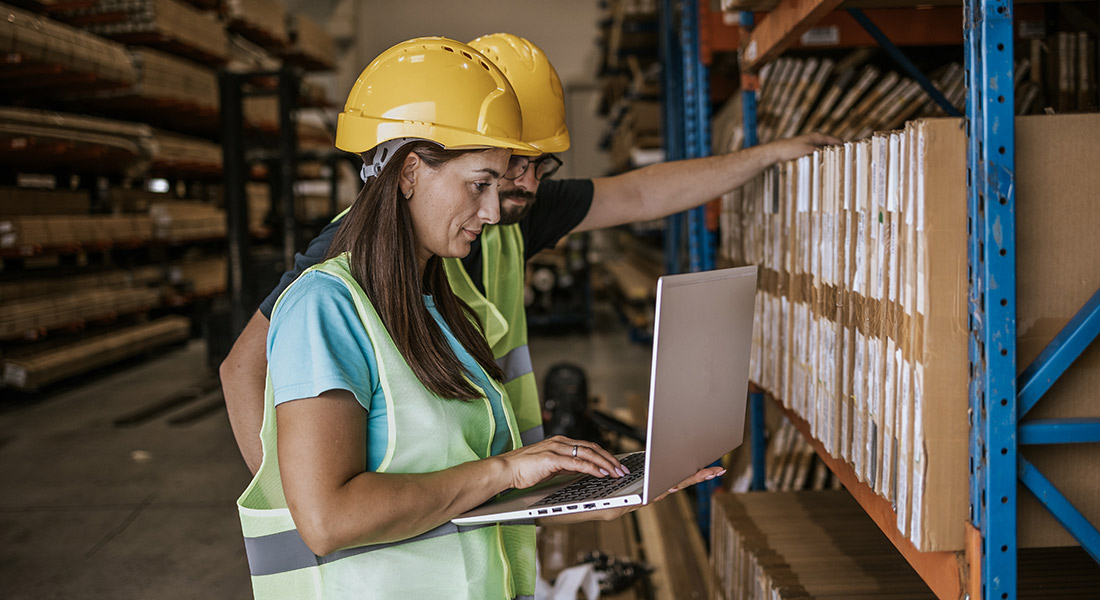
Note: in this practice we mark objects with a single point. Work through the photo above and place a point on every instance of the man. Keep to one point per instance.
(536, 212)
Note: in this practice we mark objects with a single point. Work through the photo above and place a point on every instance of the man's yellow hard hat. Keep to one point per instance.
(436, 89)
(537, 85)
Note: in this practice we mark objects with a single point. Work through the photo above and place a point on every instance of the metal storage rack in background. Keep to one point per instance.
(999, 398)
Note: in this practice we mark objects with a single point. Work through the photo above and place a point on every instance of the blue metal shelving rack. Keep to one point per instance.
(686, 120)
(999, 399)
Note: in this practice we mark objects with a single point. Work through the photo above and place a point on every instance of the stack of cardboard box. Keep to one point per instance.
(862, 312)
(781, 545)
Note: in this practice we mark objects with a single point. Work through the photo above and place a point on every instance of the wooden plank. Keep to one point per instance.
(785, 24)
(904, 26)
(946, 573)
(674, 547)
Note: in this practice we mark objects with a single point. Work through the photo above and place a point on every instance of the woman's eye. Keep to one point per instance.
(481, 187)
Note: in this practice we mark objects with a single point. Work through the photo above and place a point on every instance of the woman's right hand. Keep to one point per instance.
(538, 462)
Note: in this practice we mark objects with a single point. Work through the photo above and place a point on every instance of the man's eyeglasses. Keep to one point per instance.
(545, 167)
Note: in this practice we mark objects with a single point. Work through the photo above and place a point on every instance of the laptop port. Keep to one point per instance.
(590, 505)
(543, 511)
(556, 509)
(572, 507)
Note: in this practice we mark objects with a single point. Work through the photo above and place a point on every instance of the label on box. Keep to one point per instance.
(826, 35)
(1031, 30)
(15, 375)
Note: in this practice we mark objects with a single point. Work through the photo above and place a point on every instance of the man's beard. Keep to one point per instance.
(513, 214)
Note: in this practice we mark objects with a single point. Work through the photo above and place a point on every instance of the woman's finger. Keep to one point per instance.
(593, 454)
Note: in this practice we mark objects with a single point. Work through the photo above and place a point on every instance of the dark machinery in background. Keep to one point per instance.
(567, 410)
(558, 290)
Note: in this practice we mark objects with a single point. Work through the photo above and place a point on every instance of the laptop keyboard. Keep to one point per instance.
(592, 488)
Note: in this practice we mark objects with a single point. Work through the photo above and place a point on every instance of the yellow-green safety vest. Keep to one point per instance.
(504, 318)
(426, 433)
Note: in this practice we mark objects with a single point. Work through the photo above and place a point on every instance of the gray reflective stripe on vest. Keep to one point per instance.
(286, 551)
(532, 435)
(516, 363)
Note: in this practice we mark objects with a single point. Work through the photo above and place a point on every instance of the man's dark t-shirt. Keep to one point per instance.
(560, 205)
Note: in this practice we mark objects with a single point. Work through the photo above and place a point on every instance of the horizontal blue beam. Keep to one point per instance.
(1059, 431)
(903, 61)
(1059, 354)
(1067, 514)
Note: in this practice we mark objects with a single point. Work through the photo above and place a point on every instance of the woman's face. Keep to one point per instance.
(451, 204)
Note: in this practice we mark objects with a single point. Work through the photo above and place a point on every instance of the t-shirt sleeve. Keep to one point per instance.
(560, 205)
(315, 253)
(318, 343)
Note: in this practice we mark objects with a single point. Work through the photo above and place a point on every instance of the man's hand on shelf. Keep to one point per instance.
(792, 148)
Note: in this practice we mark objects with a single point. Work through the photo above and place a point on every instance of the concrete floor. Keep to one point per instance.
(124, 486)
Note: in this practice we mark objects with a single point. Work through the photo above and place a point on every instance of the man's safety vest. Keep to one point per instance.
(426, 433)
(504, 318)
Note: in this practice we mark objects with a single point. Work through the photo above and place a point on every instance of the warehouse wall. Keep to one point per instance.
(565, 29)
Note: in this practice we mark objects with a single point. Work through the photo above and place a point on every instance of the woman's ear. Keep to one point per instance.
(410, 169)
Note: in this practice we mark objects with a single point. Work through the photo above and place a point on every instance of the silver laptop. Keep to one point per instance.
(697, 392)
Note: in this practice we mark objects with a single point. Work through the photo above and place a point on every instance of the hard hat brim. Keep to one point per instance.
(359, 134)
(557, 143)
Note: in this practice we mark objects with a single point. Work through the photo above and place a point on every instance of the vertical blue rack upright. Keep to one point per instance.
(686, 119)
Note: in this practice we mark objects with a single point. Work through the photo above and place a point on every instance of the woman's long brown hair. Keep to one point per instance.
(378, 235)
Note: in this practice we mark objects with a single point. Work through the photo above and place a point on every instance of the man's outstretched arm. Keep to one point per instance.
(244, 375)
(663, 189)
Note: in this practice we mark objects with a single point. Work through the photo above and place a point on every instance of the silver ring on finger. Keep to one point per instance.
(574, 450)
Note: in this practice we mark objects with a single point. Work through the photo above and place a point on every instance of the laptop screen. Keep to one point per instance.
(700, 370)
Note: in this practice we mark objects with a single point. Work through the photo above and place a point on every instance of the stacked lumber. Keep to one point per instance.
(29, 317)
(311, 43)
(26, 288)
(261, 21)
(28, 233)
(175, 81)
(46, 138)
(29, 40)
(35, 201)
(199, 278)
(36, 370)
(168, 24)
(262, 112)
(259, 205)
(184, 220)
(172, 152)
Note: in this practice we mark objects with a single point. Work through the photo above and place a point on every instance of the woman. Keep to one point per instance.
(384, 415)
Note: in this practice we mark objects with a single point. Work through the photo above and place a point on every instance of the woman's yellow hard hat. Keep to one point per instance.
(436, 89)
(537, 85)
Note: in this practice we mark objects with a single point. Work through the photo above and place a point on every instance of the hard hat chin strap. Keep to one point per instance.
(382, 154)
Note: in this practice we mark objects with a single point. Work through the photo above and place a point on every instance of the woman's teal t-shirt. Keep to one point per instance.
(317, 343)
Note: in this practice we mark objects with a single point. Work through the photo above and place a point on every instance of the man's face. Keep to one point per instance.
(521, 182)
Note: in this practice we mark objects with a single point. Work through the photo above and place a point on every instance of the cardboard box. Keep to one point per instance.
(1058, 269)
